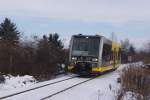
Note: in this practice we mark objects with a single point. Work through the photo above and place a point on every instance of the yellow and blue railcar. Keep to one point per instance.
(92, 54)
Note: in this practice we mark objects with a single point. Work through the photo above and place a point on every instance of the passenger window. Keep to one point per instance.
(106, 55)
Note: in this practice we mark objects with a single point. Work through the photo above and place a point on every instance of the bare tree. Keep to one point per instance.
(125, 44)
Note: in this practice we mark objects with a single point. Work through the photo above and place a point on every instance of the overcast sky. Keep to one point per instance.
(126, 18)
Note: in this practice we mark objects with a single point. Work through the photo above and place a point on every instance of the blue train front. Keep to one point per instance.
(92, 54)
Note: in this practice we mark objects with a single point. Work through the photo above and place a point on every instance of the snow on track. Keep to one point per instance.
(101, 88)
(91, 90)
(6, 92)
(45, 91)
(97, 89)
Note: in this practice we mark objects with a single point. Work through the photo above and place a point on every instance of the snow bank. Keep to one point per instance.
(12, 82)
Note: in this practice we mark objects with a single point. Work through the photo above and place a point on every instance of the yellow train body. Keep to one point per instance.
(108, 57)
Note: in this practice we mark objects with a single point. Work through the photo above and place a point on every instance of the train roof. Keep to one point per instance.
(96, 36)
(80, 35)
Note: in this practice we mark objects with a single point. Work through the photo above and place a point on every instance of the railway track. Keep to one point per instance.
(47, 91)
(56, 93)
(51, 95)
(48, 84)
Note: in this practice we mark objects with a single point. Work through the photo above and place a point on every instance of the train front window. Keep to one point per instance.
(90, 44)
(80, 44)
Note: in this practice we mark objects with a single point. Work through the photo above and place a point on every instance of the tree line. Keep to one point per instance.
(41, 58)
(128, 50)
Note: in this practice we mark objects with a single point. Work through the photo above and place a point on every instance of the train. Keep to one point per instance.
(93, 54)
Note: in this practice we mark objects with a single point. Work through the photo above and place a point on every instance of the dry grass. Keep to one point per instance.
(136, 79)
(147, 59)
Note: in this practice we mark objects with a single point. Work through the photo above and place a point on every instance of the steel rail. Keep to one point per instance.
(67, 88)
(44, 98)
(17, 93)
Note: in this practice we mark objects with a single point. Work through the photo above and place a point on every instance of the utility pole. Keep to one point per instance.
(112, 36)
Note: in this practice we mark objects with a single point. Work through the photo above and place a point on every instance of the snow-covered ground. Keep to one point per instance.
(102, 88)
(12, 82)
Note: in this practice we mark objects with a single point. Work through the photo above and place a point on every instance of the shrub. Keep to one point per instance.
(136, 79)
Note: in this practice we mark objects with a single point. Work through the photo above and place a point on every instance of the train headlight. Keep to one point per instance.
(94, 59)
(74, 58)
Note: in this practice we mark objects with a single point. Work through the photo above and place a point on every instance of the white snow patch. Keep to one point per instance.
(130, 96)
(8, 91)
(13, 82)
